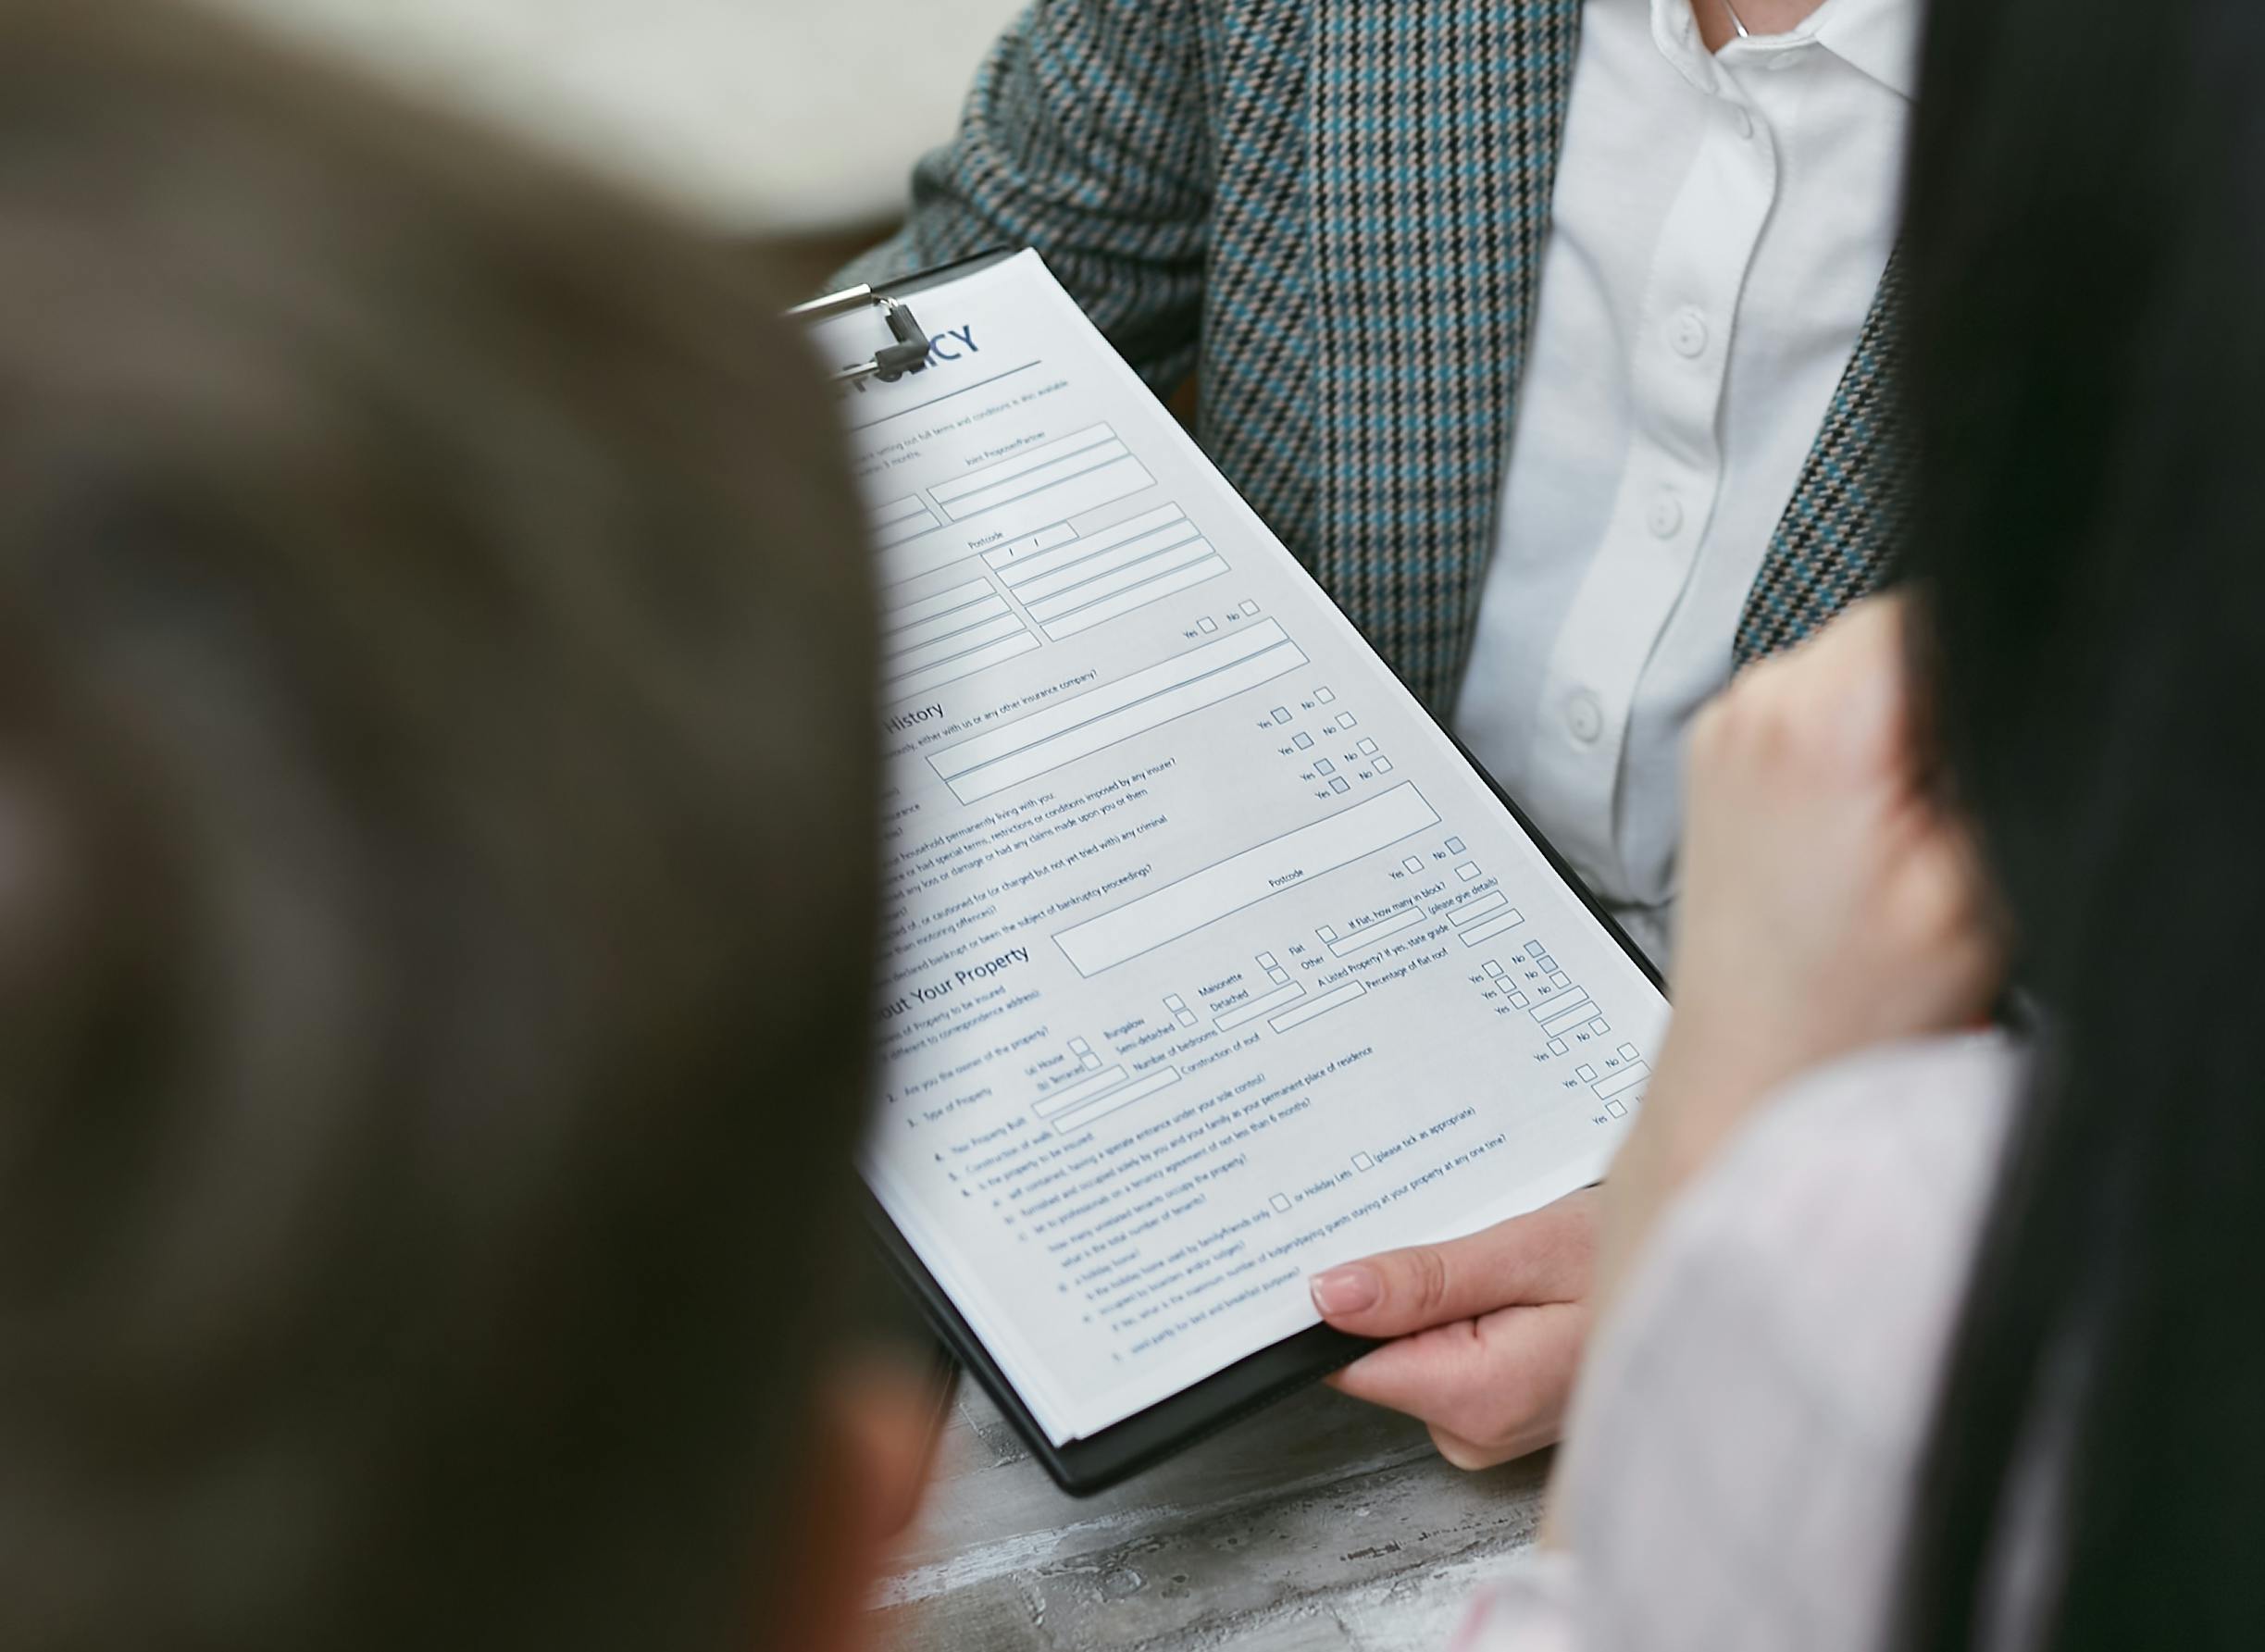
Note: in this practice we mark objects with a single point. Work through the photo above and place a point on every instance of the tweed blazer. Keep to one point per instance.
(1338, 209)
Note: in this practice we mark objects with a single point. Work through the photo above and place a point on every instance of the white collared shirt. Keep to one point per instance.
(1720, 224)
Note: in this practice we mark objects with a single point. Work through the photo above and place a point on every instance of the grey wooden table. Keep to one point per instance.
(1320, 1523)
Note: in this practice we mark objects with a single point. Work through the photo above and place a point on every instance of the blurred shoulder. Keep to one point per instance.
(1743, 1442)
(1838, 1228)
(1898, 1141)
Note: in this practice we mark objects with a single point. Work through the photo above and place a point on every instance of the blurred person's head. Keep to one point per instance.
(435, 884)
(2086, 261)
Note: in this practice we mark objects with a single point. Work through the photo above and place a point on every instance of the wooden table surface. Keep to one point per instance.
(1318, 1524)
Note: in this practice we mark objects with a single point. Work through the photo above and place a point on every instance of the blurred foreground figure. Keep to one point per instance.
(434, 886)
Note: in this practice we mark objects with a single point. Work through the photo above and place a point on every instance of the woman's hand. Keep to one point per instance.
(1485, 1331)
(1829, 902)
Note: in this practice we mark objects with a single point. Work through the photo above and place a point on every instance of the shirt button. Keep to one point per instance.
(1585, 718)
(1687, 332)
(1666, 518)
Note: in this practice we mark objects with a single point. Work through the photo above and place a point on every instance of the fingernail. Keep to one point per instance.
(1347, 1290)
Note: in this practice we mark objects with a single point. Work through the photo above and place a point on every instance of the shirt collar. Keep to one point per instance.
(1879, 38)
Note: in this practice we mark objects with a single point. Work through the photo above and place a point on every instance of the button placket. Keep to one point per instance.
(1654, 541)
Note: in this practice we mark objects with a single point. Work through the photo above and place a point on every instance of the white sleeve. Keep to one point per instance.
(1740, 1447)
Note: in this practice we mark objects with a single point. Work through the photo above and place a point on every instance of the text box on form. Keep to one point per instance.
(1202, 897)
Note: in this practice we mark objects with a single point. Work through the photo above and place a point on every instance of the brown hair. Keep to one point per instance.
(436, 797)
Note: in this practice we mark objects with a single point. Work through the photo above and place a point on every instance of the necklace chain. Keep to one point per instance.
(1735, 21)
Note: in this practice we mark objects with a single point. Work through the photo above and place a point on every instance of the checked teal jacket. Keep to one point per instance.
(1337, 209)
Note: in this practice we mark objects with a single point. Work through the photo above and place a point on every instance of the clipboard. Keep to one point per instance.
(902, 350)
(1112, 1455)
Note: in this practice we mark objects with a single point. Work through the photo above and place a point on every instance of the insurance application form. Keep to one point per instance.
(1209, 961)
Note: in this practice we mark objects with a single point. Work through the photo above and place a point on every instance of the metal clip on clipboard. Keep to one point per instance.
(909, 352)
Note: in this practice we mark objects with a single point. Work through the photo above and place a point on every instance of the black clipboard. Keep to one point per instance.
(1123, 1449)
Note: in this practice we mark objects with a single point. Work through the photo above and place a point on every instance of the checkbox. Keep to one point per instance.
(1266, 960)
(1327, 932)
(1467, 871)
(1090, 1061)
(1279, 1202)
(1281, 713)
(1207, 625)
(1616, 1110)
(1585, 1074)
(1561, 979)
(1248, 606)
(1627, 1053)
(1454, 846)
(1493, 968)
(1412, 864)
(1304, 742)
(1325, 695)
(1346, 720)
(1599, 1027)
(1324, 766)
(1080, 1046)
(1338, 785)
(1557, 1047)
(1368, 748)
(1172, 1000)
(1280, 978)
(1384, 766)
(1185, 1019)
(1519, 1000)
(1363, 1161)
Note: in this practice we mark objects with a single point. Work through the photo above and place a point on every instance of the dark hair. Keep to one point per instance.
(436, 796)
(2086, 262)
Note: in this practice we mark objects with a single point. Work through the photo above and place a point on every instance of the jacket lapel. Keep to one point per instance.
(1435, 131)
(1838, 540)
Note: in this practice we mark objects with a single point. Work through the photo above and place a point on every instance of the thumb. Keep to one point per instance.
(1546, 1256)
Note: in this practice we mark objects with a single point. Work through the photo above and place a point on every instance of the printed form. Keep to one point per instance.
(1208, 960)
